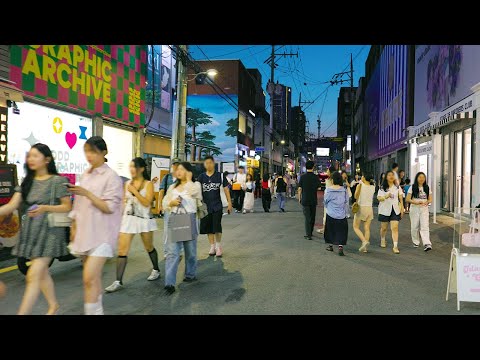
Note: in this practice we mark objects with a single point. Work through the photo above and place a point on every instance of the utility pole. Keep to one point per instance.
(180, 116)
(271, 91)
(352, 107)
(319, 124)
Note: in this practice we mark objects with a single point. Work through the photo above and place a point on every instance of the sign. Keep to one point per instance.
(259, 149)
(464, 277)
(9, 224)
(98, 79)
(63, 132)
(323, 151)
(349, 143)
(3, 135)
(444, 76)
(424, 150)
(120, 149)
(230, 167)
(253, 163)
(159, 164)
(449, 114)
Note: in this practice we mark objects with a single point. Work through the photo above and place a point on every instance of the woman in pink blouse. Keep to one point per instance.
(97, 215)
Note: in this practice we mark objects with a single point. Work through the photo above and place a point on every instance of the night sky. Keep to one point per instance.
(315, 65)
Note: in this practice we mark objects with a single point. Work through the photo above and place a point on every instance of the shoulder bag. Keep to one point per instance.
(57, 219)
(355, 206)
(222, 193)
(202, 210)
(236, 185)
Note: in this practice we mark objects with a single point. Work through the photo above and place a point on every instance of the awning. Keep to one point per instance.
(8, 91)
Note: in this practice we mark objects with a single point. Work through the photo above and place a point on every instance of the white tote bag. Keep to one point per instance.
(222, 194)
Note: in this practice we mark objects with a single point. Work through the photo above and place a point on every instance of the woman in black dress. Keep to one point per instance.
(42, 191)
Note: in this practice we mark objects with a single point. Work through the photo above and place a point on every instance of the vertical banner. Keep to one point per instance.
(3, 135)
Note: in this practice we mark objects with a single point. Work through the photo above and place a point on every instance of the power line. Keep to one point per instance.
(230, 53)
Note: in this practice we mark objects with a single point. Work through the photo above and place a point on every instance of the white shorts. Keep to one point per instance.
(102, 250)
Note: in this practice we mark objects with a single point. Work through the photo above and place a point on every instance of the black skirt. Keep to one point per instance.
(336, 231)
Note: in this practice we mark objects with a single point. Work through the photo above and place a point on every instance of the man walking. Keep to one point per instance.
(281, 186)
(308, 186)
(211, 225)
(167, 180)
(239, 186)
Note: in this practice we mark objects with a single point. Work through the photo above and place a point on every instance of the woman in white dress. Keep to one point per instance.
(137, 219)
(249, 201)
(364, 193)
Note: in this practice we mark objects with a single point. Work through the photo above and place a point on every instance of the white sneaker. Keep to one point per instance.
(154, 275)
(321, 231)
(244, 211)
(114, 287)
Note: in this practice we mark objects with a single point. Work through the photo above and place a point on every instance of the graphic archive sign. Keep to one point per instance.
(99, 79)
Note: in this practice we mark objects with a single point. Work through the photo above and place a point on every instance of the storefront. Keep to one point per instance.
(70, 90)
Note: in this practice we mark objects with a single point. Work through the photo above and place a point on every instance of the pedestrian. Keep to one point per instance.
(401, 183)
(97, 216)
(328, 183)
(167, 181)
(211, 184)
(239, 184)
(266, 193)
(395, 174)
(281, 186)
(249, 202)
(182, 198)
(353, 185)
(258, 186)
(274, 187)
(308, 185)
(293, 186)
(336, 207)
(42, 193)
(346, 185)
(420, 196)
(390, 209)
(364, 194)
(405, 192)
(137, 220)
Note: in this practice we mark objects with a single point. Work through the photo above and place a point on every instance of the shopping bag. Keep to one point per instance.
(182, 227)
(472, 238)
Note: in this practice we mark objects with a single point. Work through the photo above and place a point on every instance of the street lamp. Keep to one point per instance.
(211, 73)
(282, 142)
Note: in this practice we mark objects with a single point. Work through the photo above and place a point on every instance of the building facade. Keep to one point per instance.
(444, 140)
(360, 129)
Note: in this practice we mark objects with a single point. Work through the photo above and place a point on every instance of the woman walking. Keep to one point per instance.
(249, 201)
(182, 198)
(137, 219)
(258, 186)
(420, 196)
(364, 195)
(336, 205)
(328, 183)
(293, 186)
(42, 193)
(97, 216)
(266, 194)
(390, 209)
(281, 186)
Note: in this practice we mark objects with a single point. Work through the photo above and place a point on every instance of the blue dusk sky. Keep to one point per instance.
(315, 65)
(221, 112)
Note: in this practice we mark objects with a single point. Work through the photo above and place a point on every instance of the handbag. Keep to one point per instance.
(222, 194)
(472, 238)
(202, 210)
(355, 206)
(182, 226)
(57, 219)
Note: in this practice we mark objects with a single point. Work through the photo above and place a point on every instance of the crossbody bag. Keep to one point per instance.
(57, 219)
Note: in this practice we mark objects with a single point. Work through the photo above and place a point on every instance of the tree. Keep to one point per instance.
(208, 139)
(232, 127)
(196, 117)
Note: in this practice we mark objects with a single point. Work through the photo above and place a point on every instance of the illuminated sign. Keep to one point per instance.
(3, 135)
(323, 152)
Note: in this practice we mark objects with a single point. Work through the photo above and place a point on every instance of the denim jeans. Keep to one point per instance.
(281, 200)
(173, 259)
(165, 236)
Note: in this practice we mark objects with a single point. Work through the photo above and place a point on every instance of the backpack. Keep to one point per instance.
(164, 184)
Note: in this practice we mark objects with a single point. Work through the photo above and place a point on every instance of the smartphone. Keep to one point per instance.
(33, 207)
(69, 185)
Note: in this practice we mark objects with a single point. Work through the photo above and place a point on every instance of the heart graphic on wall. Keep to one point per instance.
(71, 139)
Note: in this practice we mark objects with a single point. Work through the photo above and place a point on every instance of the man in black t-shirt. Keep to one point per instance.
(212, 182)
(307, 196)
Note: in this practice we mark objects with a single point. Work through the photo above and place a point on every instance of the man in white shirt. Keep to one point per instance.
(395, 172)
(239, 186)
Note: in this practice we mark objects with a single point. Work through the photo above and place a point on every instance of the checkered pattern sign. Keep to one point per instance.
(107, 80)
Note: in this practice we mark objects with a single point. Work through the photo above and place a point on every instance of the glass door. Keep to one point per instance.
(458, 168)
(446, 173)
(467, 168)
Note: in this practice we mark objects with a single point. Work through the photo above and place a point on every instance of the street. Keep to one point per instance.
(269, 268)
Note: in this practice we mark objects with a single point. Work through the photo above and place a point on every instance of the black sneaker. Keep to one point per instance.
(427, 248)
(283, 210)
(329, 248)
(340, 252)
(169, 289)
(187, 279)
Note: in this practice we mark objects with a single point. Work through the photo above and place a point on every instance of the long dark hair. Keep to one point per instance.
(51, 168)
(416, 189)
(266, 177)
(187, 167)
(139, 163)
(369, 177)
(385, 186)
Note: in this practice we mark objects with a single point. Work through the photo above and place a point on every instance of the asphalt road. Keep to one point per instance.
(269, 268)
